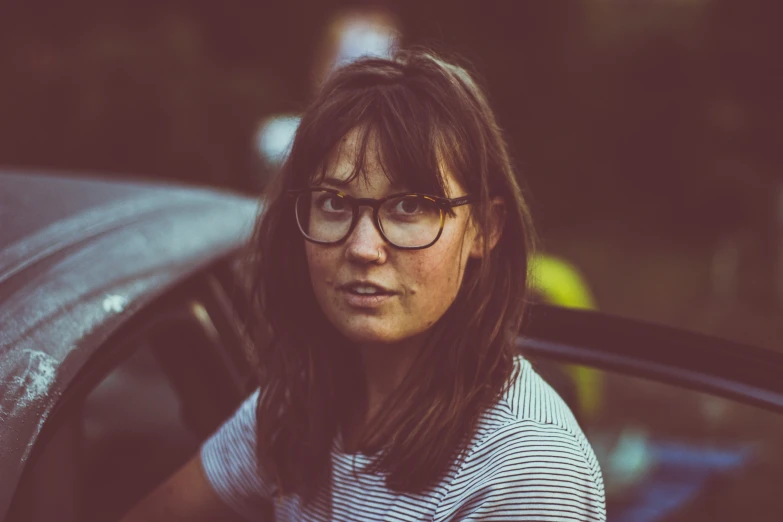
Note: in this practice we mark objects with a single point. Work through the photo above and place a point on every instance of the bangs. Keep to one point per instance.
(396, 132)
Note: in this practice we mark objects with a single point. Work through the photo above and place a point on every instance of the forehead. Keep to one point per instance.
(357, 162)
(357, 157)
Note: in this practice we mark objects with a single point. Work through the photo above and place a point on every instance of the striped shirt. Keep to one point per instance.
(529, 460)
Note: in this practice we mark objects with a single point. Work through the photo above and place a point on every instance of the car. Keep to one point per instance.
(122, 348)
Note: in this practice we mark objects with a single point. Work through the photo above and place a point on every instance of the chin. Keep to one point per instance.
(378, 333)
(364, 336)
(370, 334)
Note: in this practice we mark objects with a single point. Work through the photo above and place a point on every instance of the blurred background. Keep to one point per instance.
(648, 132)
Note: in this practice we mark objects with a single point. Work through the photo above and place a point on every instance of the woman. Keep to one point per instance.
(390, 285)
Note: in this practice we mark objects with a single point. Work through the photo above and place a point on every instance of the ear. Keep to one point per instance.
(497, 218)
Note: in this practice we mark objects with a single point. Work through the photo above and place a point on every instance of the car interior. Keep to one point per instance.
(173, 380)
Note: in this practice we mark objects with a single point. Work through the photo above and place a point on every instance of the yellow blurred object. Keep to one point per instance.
(560, 283)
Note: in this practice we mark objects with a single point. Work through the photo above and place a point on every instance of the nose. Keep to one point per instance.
(365, 241)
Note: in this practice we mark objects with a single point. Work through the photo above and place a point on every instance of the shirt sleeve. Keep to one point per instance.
(528, 471)
(230, 464)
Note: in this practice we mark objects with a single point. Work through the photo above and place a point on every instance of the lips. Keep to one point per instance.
(365, 288)
(364, 294)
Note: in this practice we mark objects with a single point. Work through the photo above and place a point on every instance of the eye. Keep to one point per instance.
(331, 203)
(408, 206)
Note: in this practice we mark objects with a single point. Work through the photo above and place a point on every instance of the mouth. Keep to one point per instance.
(365, 288)
(362, 294)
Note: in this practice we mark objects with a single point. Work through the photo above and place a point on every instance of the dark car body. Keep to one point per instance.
(78, 258)
(92, 272)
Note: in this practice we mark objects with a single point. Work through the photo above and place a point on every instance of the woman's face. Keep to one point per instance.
(417, 286)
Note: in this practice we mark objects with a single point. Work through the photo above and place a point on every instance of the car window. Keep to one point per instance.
(143, 420)
(673, 454)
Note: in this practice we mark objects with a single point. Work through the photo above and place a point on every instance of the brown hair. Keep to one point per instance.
(422, 111)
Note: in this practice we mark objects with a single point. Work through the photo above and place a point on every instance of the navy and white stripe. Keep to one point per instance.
(529, 461)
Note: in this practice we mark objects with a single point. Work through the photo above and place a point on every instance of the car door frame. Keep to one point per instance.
(745, 373)
(200, 299)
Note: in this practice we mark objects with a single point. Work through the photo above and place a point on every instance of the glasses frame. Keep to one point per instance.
(445, 205)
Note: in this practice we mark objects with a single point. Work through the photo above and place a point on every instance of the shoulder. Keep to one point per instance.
(230, 464)
(528, 400)
(529, 461)
(529, 397)
(239, 431)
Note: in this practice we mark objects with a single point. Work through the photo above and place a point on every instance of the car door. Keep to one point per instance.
(689, 428)
(140, 408)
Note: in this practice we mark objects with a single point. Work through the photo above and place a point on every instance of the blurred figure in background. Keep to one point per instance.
(351, 34)
(557, 282)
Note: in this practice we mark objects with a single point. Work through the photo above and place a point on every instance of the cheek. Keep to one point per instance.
(452, 254)
(439, 269)
(320, 263)
(313, 259)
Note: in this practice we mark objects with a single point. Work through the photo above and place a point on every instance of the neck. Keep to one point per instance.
(385, 367)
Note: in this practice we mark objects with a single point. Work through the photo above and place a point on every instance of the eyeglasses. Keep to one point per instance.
(408, 221)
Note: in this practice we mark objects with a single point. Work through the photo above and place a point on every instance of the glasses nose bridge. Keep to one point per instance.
(375, 206)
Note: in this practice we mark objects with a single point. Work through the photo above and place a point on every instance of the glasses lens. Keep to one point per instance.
(323, 216)
(410, 221)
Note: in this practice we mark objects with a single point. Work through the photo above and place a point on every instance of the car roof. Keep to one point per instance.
(78, 256)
